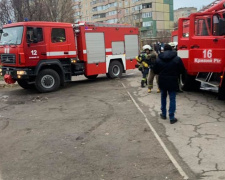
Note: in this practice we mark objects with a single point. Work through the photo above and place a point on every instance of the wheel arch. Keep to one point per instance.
(51, 64)
(119, 58)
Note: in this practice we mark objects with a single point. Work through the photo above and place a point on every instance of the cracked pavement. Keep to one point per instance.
(199, 136)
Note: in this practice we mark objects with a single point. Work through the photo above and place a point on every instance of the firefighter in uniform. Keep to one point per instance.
(143, 61)
(152, 59)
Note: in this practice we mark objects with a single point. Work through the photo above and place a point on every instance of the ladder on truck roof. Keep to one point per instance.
(210, 5)
(103, 24)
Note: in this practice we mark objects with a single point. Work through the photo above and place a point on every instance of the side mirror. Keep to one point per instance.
(1, 31)
(221, 27)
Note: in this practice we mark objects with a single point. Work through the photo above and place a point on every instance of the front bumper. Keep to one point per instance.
(12, 71)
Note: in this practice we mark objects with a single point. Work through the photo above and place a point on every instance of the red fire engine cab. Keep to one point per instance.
(45, 55)
(201, 45)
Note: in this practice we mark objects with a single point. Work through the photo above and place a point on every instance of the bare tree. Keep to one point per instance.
(6, 12)
(60, 10)
(37, 10)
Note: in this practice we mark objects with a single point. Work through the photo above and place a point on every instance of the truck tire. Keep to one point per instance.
(47, 80)
(221, 94)
(188, 83)
(24, 84)
(91, 77)
(115, 70)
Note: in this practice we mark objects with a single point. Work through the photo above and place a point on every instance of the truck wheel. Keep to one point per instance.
(24, 84)
(188, 83)
(221, 94)
(47, 80)
(91, 77)
(115, 69)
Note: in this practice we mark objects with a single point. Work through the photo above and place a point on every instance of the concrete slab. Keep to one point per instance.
(199, 136)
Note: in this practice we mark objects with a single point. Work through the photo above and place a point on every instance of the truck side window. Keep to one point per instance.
(202, 28)
(186, 28)
(216, 25)
(39, 34)
(58, 35)
(30, 37)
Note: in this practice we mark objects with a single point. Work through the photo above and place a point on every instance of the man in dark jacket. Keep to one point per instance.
(169, 67)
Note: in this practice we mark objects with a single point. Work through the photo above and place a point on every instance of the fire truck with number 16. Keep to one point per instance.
(201, 45)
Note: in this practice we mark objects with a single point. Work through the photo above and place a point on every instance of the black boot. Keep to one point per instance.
(143, 83)
(146, 82)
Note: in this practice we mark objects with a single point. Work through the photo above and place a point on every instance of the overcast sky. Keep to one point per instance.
(191, 3)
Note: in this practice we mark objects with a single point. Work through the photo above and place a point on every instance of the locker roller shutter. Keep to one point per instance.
(117, 47)
(131, 46)
(95, 44)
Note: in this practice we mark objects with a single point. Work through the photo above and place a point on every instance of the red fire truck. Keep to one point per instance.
(45, 55)
(201, 45)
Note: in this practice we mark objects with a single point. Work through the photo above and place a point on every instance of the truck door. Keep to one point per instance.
(207, 44)
(59, 47)
(183, 40)
(35, 47)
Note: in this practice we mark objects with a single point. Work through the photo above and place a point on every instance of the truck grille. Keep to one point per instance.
(8, 58)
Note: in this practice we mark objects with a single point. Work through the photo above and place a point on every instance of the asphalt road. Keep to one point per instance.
(86, 130)
(99, 130)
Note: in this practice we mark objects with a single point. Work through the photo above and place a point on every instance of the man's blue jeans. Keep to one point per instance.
(172, 108)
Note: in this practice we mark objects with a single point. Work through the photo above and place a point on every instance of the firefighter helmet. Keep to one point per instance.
(147, 47)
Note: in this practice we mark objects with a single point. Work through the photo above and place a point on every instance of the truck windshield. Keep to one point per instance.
(12, 35)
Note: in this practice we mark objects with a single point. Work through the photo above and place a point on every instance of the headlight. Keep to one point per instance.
(0, 70)
(21, 72)
(73, 61)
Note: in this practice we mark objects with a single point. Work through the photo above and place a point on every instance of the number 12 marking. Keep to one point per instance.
(34, 52)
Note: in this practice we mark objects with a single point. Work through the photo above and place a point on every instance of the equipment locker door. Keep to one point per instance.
(131, 46)
(206, 44)
(95, 45)
(118, 48)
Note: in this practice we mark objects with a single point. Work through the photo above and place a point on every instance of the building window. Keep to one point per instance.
(147, 5)
(112, 21)
(147, 24)
(147, 14)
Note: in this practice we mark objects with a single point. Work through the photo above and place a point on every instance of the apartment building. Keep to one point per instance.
(155, 18)
(183, 12)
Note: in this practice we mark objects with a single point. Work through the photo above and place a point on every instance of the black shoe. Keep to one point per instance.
(172, 121)
(162, 117)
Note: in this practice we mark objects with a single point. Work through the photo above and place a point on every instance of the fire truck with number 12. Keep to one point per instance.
(45, 55)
